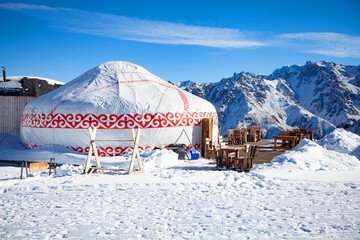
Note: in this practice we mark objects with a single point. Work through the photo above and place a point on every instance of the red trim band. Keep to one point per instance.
(114, 121)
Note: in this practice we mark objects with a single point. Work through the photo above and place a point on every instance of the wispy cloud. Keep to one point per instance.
(23, 6)
(325, 43)
(150, 31)
(134, 29)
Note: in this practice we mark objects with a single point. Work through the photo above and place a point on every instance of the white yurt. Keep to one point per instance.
(116, 97)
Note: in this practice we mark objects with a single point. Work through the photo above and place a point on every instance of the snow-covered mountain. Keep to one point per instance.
(317, 95)
(328, 90)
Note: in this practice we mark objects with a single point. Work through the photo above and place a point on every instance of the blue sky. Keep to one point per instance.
(202, 41)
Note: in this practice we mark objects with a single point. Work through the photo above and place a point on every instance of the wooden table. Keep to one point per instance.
(300, 133)
(229, 153)
(291, 140)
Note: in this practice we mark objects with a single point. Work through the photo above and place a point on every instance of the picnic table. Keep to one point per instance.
(287, 142)
(291, 138)
(230, 153)
(239, 136)
(236, 157)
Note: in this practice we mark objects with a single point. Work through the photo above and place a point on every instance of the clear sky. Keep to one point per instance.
(202, 41)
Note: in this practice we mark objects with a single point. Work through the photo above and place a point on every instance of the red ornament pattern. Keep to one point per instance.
(106, 151)
(114, 121)
(110, 151)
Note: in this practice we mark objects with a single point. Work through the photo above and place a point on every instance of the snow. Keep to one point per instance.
(309, 192)
(18, 78)
(334, 157)
(310, 161)
(327, 160)
(342, 141)
(13, 85)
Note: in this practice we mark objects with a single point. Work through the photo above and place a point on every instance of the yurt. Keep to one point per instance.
(116, 97)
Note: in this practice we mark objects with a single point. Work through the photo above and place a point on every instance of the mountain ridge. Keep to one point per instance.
(319, 95)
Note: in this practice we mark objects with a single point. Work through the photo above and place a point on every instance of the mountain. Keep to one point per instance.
(328, 90)
(318, 95)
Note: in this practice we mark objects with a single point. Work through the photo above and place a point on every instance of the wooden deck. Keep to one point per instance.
(265, 156)
(264, 153)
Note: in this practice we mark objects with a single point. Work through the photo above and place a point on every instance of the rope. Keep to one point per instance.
(183, 131)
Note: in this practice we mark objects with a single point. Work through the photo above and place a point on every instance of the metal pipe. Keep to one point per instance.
(4, 73)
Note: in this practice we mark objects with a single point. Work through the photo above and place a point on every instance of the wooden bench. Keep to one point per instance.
(211, 150)
(225, 157)
(254, 134)
(308, 133)
(237, 158)
(240, 136)
(244, 161)
(231, 137)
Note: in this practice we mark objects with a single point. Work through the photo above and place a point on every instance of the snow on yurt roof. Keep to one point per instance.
(121, 87)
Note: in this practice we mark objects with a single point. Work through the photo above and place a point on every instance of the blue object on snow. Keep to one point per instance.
(194, 154)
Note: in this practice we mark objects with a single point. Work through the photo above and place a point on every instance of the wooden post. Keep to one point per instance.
(136, 153)
(24, 164)
(311, 134)
(275, 142)
(92, 149)
(220, 138)
(206, 132)
(258, 131)
(230, 135)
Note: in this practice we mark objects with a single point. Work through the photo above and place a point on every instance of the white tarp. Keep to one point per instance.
(115, 97)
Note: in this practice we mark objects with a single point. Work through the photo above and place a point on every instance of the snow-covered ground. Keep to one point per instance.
(312, 192)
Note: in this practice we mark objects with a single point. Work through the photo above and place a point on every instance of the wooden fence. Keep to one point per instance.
(11, 109)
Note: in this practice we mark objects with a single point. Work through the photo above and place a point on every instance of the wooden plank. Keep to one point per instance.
(136, 171)
(136, 153)
(38, 166)
(102, 169)
(11, 109)
(88, 158)
(140, 165)
(206, 132)
(131, 167)
(98, 164)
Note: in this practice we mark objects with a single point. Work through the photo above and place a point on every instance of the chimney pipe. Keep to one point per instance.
(4, 73)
